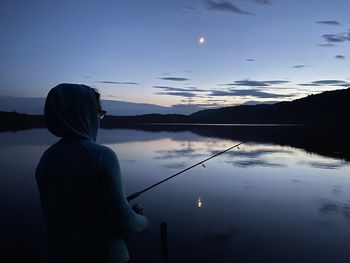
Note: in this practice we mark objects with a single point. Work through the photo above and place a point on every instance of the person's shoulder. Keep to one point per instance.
(105, 152)
(103, 149)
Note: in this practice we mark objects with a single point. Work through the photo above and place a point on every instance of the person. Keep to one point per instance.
(81, 192)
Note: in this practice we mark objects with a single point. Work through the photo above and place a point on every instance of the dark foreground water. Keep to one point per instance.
(269, 201)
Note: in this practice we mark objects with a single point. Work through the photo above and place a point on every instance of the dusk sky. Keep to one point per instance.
(150, 51)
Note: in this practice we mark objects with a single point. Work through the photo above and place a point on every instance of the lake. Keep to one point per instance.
(278, 198)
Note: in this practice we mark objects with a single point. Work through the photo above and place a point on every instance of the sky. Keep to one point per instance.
(252, 51)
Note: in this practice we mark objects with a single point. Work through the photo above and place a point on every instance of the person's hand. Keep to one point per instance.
(138, 209)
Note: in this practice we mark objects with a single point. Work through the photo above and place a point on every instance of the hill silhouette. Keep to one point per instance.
(327, 107)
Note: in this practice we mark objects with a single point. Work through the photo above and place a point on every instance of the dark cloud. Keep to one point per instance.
(186, 89)
(178, 94)
(174, 79)
(255, 102)
(301, 66)
(340, 57)
(337, 38)
(248, 93)
(327, 82)
(273, 82)
(118, 82)
(216, 100)
(326, 45)
(224, 6)
(250, 60)
(264, 2)
(255, 83)
(329, 22)
(219, 93)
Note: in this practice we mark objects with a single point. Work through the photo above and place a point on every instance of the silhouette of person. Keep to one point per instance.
(81, 192)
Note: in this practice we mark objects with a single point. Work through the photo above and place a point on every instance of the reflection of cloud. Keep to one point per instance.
(175, 154)
(224, 6)
(177, 166)
(256, 162)
(336, 189)
(329, 22)
(329, 207)
(221, 236)
(254, 153)
(242, 158)
(325, 165)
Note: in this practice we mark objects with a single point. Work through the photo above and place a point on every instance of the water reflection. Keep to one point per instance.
(200, 202)
(260, 203)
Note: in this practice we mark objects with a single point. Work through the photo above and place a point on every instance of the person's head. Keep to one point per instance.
(73, 111)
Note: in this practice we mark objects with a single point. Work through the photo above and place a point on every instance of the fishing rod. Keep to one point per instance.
(134, 195)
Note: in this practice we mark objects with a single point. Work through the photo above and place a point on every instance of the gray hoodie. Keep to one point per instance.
(82, 197)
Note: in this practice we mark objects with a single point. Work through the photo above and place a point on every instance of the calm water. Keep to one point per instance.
(262, 202)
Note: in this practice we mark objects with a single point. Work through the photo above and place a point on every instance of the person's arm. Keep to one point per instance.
(119, 213)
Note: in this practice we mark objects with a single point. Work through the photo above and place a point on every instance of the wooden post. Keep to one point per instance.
(164, 242)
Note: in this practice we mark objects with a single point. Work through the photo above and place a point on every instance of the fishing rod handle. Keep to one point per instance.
(133, 196)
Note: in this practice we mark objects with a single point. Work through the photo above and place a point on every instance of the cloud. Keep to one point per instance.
(178, 94)
(174, 79)
(224, 6)
(341, 57)
(327, 82)
(337, 38)
(250, 60)
(255, 102)
(248, 93)
(118, 82)
(264, 2)
(301, 66)
(329, 22)
(255, 83)
(326, 45)
(187, 89)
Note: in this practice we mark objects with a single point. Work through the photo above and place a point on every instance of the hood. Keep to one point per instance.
(71, 111)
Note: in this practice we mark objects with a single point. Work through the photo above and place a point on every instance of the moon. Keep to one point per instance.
(201, 40)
